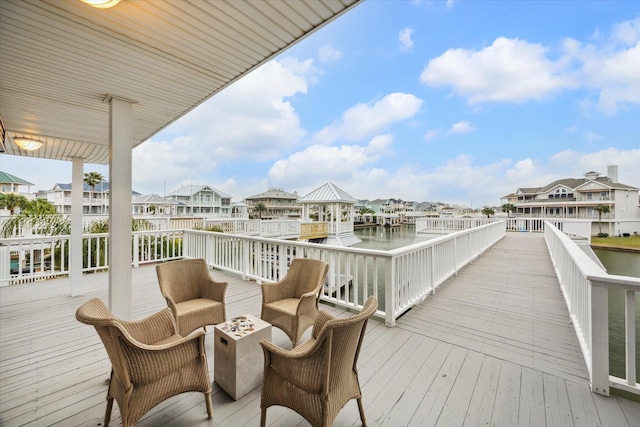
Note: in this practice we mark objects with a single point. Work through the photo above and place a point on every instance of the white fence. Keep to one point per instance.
(399, 278)
(585, 287)
(448, 225)
(28, 259)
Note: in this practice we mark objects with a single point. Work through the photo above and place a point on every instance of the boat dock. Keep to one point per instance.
(494, 346)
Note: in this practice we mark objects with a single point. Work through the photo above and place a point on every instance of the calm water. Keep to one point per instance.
(616, 262)
(385, 238)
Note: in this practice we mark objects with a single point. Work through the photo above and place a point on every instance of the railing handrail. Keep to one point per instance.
(585, 286)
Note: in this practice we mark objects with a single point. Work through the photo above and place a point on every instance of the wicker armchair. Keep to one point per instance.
(317, 378)
(150, 361)
(195, 299)
(291, 304)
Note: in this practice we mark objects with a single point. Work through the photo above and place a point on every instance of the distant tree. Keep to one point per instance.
(508, 208)
(488, 211)
(38, 207)
(601, 209)
(260, 207)
(364, 211)
(92, 179)
(11, 201)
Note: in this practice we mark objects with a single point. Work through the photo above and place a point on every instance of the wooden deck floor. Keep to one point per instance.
(493, 347)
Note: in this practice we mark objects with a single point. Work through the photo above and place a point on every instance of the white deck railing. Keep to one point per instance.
(399, 278)
(585, 287)
(29, 259)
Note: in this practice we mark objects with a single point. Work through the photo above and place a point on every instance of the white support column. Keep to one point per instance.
(75, 244)
(120, 216)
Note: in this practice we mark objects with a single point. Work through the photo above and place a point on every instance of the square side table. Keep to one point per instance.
(238, 364)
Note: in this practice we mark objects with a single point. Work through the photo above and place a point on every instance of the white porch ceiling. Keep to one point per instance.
(59, 59)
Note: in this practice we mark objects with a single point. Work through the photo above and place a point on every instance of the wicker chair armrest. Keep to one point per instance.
(321, 320)
(303, 366)
(147, 363)
(152, 329)
(275, 291)
(308, 303)
(214, 290)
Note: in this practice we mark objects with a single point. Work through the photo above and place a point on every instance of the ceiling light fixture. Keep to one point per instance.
(102, 4)
(28, 144)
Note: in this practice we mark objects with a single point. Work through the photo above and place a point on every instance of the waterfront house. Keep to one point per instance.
(201, 200)
(579, 197)
(11, 184)
(94, 200)
(278, 204)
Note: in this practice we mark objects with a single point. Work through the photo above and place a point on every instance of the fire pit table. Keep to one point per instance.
(238, 363)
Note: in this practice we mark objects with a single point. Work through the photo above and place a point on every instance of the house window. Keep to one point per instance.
(589, 196)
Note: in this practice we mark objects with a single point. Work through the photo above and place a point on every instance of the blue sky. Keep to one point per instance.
(452, 101)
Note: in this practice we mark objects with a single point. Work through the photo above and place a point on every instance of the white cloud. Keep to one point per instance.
(514, 70)
(575, 164)
(510, 70)
(365, 120)
(328, 53)
(320, 162)
(627, 32)
(431, 133)
(406, 44)
(252, 118)
(460, 180)
(616, 75)
(462, 127)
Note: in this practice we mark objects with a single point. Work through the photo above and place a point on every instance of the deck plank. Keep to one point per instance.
(492, 346)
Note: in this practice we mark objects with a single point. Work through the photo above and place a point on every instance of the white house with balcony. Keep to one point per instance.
(11, 184)
(201, 200)
(94, 200)
(279, 204)
(579, 197)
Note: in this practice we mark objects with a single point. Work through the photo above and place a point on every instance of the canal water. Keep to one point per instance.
(616, 262)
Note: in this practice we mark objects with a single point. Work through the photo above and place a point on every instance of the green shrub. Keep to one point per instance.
(213, 228)
(603, 235)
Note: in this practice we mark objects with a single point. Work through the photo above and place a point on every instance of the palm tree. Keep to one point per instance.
(488, 211)
(92, 179)
(11, 201)
(260, 207)
(39, 207)
(601, 209)
(508, 208)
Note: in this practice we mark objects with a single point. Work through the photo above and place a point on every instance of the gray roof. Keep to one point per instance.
(101, 187)
(327, 193)
(190, 190)
(274, 193)
(574, 183)
(153, 199)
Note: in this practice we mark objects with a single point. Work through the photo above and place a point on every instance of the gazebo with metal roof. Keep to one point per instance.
(336, 207)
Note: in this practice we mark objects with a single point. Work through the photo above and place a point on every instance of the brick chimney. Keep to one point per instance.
(612, 173)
